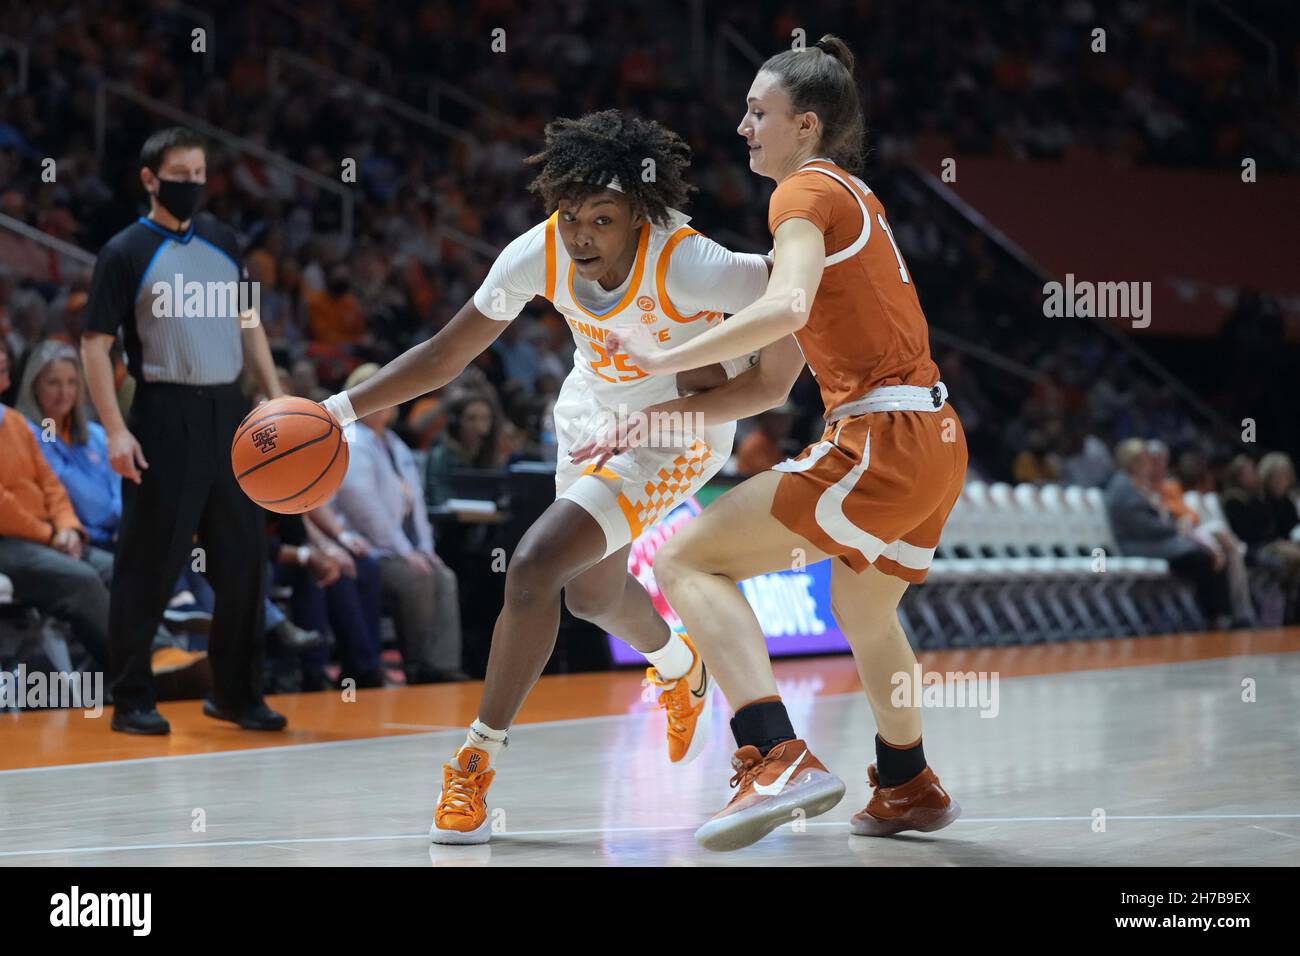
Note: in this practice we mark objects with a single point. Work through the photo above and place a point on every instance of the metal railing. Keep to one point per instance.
(282, 60)
(340, 39)
(727, 42)
(1242, 24)
(237, 143)
(33, 254)
(439, 90)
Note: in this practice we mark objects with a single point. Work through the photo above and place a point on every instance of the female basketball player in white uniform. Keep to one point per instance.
(614, 254)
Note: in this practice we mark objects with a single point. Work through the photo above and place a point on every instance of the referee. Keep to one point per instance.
(162, 280)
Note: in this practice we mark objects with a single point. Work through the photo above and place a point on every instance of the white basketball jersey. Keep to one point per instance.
(611, 376)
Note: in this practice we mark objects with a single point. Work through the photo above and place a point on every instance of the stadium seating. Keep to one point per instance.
(1033, 564)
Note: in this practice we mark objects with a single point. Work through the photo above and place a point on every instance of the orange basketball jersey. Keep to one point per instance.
(866, 328)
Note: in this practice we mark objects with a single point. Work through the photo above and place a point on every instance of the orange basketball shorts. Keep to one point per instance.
(877, 489)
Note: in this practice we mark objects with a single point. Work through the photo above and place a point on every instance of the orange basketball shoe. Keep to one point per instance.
(687, 702)
(462, 815)
(919, 804)
(770, 791)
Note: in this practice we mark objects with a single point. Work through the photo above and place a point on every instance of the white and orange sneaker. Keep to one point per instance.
(462, 815)
(687, 701)
(770, 791)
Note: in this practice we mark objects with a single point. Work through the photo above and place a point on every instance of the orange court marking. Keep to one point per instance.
(60, 737)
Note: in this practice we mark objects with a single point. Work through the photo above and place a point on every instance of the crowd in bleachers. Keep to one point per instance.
(1010, 78)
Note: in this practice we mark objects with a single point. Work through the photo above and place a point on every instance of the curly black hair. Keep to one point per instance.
(583, 155)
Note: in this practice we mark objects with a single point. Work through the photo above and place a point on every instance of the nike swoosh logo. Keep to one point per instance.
(704, 680)
(777, 785)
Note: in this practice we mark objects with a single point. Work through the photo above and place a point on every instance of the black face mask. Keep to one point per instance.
(181, 199)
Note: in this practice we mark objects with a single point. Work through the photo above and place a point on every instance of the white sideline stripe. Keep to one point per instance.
(206, 844)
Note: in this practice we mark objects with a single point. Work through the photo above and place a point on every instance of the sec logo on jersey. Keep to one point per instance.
(645, 304)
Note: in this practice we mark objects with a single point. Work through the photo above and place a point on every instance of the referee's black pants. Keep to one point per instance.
(185, 433)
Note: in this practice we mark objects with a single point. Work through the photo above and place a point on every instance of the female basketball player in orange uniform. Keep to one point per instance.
(614, 254)
(873, 493)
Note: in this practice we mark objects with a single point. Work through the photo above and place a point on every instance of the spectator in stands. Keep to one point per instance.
(28, 326)
(44, 550)
(1085, 459)
(1277, 476)
(303, 381)
(1143, 530)
(52, 398)
(354, 602)
(1254, 519)
(1216, 535)
(382, 499)
(1038, 463)
(334, 313)
(471, 440)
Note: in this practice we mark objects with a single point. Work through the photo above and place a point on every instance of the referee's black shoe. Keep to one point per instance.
(140, 722)
(257, 717)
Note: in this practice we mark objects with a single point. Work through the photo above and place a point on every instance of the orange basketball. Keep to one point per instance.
(289, 455)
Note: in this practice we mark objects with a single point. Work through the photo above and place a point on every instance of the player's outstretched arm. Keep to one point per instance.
(755, 390)
(766, 385)
(420, 369)
(798, 262)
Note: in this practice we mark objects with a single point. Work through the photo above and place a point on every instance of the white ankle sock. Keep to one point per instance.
(673, 660)
(485, 738)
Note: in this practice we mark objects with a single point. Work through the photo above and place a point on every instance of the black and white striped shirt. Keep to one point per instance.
(176, 296)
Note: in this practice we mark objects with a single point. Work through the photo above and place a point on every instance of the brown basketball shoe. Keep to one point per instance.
(772, 790)
(919, 804)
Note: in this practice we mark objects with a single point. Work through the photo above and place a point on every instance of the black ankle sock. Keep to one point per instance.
(762, 724)
(895, 766)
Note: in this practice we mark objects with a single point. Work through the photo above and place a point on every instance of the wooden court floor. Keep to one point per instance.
(67, 737)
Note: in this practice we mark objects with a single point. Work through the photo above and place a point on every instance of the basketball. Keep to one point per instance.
(289, 455)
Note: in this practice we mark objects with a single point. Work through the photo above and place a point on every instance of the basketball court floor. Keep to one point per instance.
(1119, 752)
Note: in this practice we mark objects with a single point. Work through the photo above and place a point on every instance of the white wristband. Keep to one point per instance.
(340, 406)
(304, 554)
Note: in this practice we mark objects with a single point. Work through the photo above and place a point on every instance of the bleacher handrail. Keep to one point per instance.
(237, 143)
(342, 39)
(53, 243)
(438, 88)
(1239, 21)
(281, 57)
